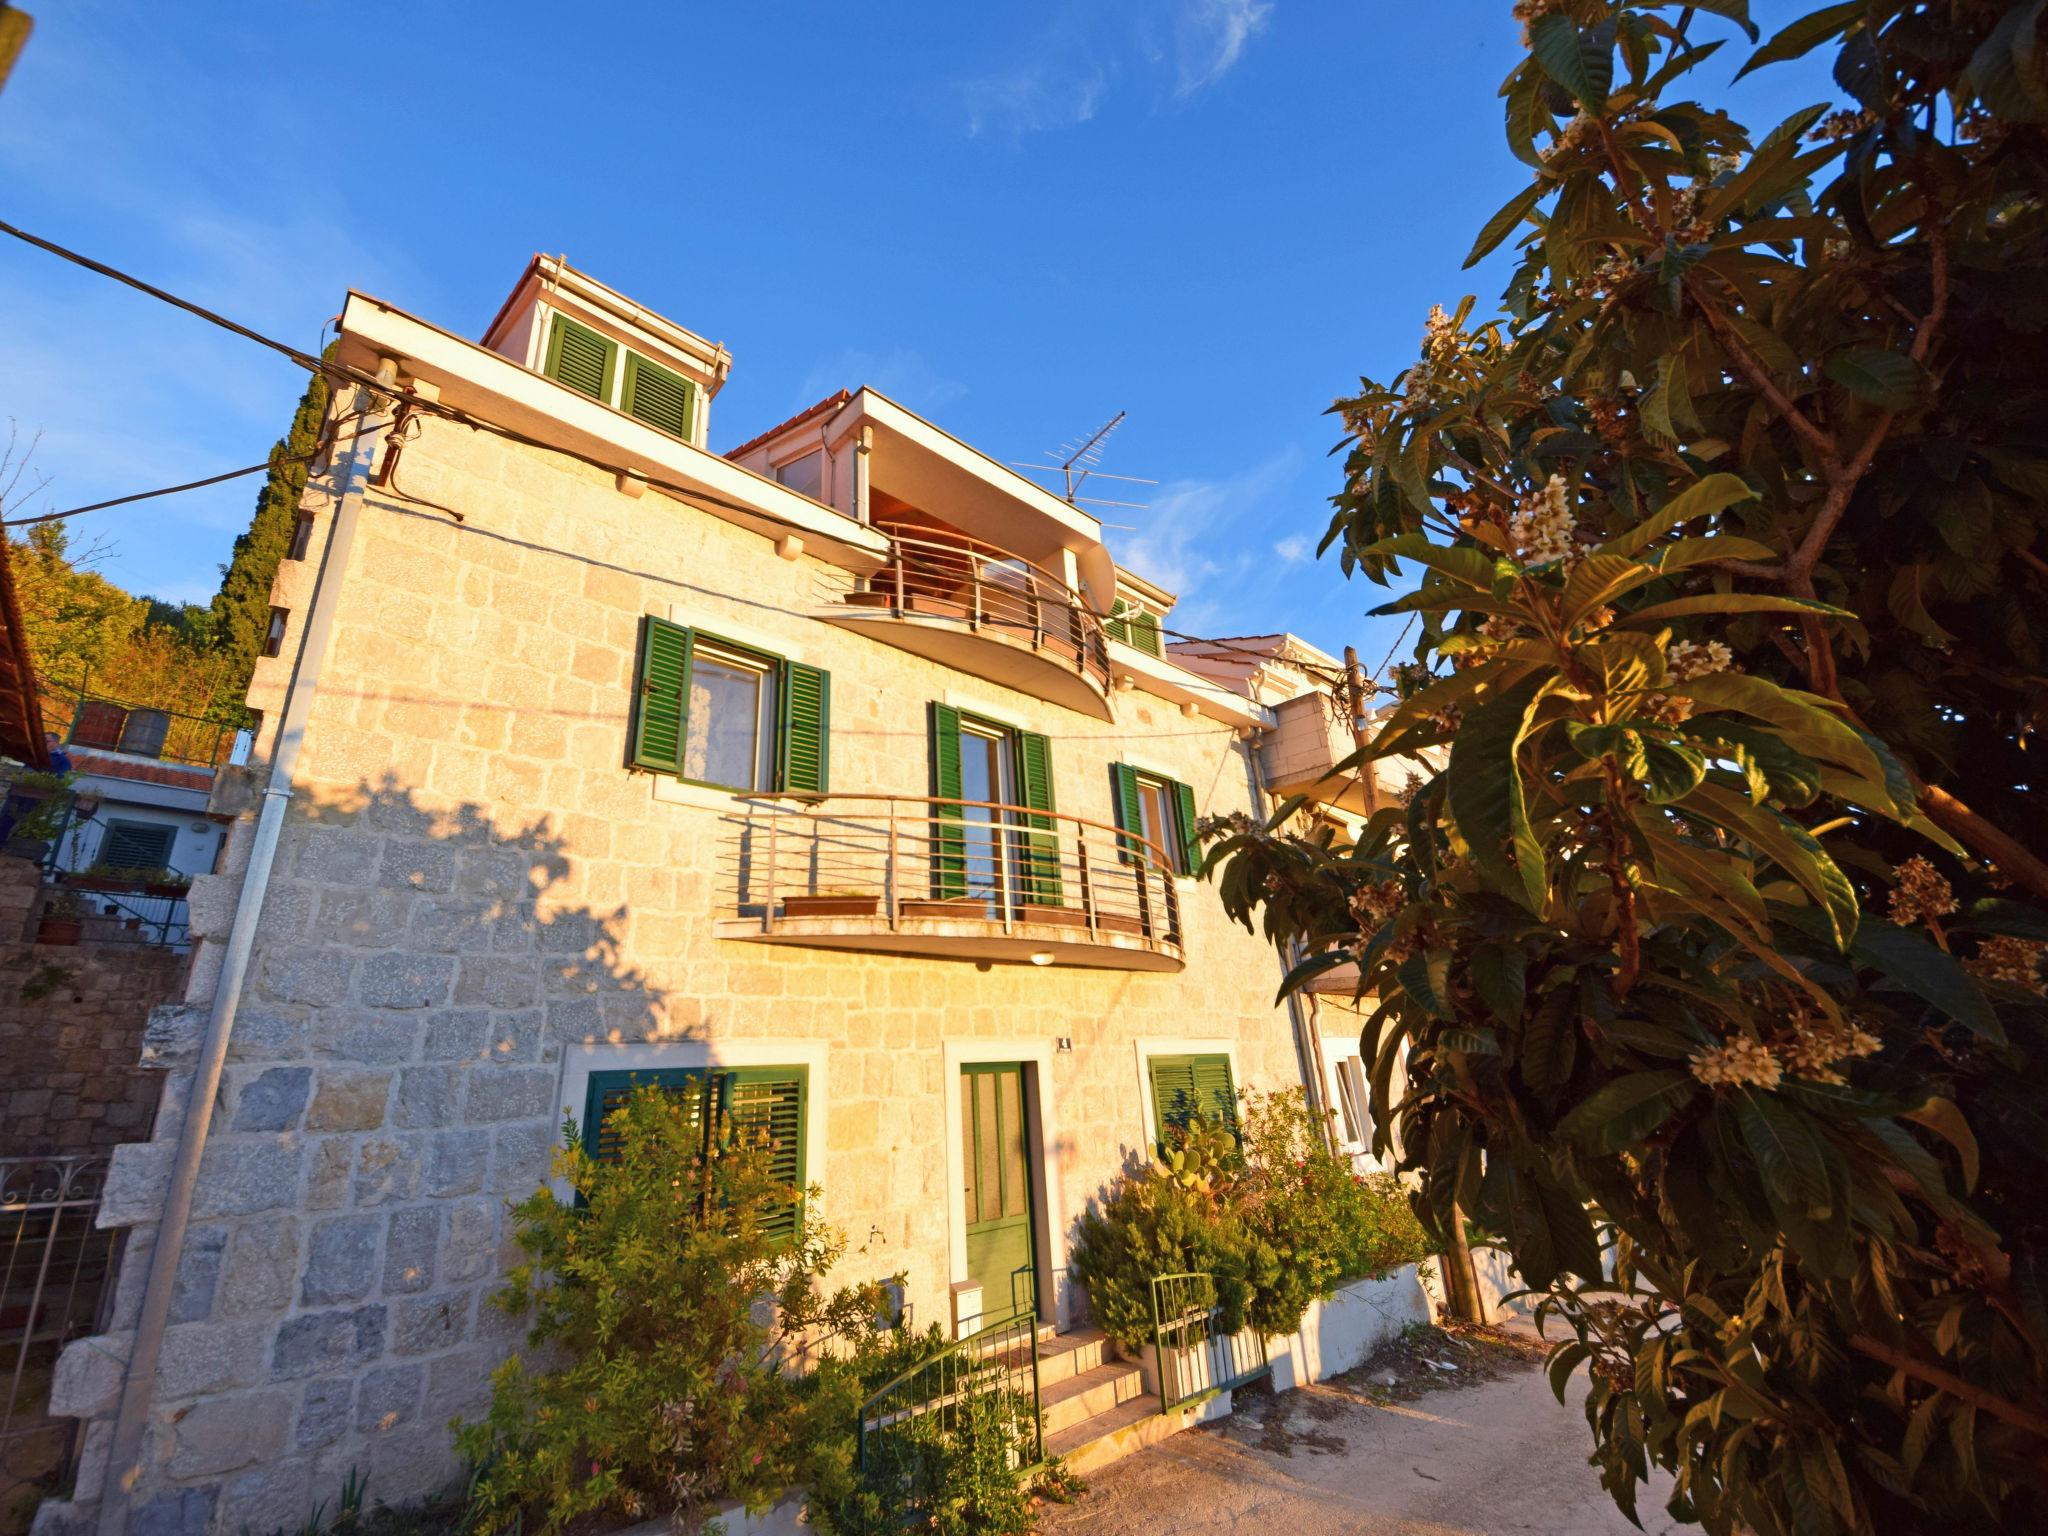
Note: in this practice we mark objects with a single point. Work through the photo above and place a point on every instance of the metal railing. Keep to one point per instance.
(130, 915)
(991, 1371)
(1192, 1354)
(901, 859)
(959, 580)
(94, 722)
(55, 1267)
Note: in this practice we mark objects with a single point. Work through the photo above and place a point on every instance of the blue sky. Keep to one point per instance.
(1214, 214)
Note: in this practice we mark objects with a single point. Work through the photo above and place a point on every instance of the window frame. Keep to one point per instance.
(1176, 799)
(1155, 1053)
(782, 700)
(767, 710)
(117, 826)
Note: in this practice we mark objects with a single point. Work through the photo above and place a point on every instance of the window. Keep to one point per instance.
(731, 1107)
(1159, 810)
(273, 642)
(586, 362)
(136, 845)
(806, 475)
(1354, 1101)
(1134, 626)
(975, 760)
(729, 716)
(302, 537)
(1186, 1086)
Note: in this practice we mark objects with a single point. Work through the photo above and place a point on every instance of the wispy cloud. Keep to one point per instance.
(901, 373)
(1063, 76)
(1293, 549)
(1201, 542)
(1210, 37)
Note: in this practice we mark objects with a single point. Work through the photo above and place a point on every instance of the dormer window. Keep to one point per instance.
(589, 363)
(1135, 626)
(804, 475)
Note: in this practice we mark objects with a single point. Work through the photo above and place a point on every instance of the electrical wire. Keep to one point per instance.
(338, 371)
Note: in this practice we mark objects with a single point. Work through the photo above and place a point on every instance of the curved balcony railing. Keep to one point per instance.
(959, 582)
(978, 879)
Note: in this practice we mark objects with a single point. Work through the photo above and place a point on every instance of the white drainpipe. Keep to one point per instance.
(138, 1385)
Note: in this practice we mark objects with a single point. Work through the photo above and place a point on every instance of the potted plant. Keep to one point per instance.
(62, 921)
(831, 903)
(159, 880)
(36, 808)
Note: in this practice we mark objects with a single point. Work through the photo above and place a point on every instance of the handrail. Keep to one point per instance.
(991, 1359)
(1185, 1311)
(1135, 839)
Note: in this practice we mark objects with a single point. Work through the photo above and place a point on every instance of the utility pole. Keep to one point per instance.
(1461, 1281)
(14, 30)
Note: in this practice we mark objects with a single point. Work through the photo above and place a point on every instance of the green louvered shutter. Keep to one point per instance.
(1115, 626)
(663, 702)
(658, 396)
(1041, 852)
(766, 1105)
(1123, 795)
(1184, 813)
(949, 838)
(805, 738)
(1186, 1086)
(580, 358)
(1145, 633)
(609, 1090)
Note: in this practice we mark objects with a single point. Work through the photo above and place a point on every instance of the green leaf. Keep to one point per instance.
(1946, 1121)
(1791, 847)
(1622, 1113)
(1683, 553)
(1527, 115)
(1565, 1359)
(1913, 963)
(1425, 977)
(1503, 223)
(1461, 562)
(1500, 975)
(1888, 380)
(1580, 60)
(1786, 1149)
(1736, 11)
(1800, 719)
(1704, 499)
(1487, 798)
(1670, 773)
(1732, 602)
(1311, 968)
(1804, 35)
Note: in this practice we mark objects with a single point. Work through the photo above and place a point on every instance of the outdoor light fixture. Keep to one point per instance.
(1041, 957)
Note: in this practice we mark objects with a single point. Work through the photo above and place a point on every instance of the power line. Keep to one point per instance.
(340, 371)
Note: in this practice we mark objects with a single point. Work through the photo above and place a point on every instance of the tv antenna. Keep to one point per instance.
(1084, 460)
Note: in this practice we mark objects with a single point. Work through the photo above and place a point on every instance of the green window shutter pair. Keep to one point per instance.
(1040, 851)
(580, 358)
(1180, 845)
(1145, 633)
(749, 1106)
(658, 396)
(661, 711)
(1186, 1086)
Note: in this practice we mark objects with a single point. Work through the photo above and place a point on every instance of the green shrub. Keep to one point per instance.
(668, 1315)
(1280, 1225)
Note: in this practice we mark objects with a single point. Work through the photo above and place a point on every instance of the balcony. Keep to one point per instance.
(980, 610)
(969, 880)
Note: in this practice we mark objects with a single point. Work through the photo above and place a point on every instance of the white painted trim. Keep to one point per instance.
(691, 616)
(980, 704)
(1043, 1148)
(670, 790)
(1146, 1047)
(579, 1061)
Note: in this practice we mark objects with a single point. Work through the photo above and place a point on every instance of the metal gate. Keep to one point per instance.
(55, 1269)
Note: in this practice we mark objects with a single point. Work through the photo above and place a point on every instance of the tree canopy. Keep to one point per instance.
(1715, 949)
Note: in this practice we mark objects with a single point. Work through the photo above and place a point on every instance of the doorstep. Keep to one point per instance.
(1096, 1407)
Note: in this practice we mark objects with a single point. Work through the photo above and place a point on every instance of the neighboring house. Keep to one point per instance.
(840, 784)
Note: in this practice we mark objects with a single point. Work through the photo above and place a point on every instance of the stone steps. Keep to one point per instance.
(1096, 1407)
(1088, 1395)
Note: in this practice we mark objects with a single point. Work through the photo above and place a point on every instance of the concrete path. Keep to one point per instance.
(1499, 1456)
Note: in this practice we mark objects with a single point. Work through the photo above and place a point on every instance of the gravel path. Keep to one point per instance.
(1497, 1456)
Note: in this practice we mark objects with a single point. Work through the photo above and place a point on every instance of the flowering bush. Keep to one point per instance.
(1280, 1225)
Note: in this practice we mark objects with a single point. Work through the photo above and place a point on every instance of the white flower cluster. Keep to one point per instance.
(1574, 133)
(1543, 528)
(1921, 895)
(1817, 1045)
(2011, 960)
(1500, 627)
(1724, 164)
(1443, 347)
(1742, 1062)
(1691, 658)
(1526, 12)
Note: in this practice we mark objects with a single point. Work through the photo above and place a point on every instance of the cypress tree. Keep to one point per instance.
(241, 609)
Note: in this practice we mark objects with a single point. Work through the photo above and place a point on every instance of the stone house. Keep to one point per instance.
(841, 782)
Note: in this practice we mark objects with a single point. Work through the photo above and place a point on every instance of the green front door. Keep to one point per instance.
(997, 1168)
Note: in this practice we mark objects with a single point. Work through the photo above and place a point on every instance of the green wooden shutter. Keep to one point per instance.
(766, 1104)
(1184, 812)
(1115, 626)
(1041, 852)
(1186, 1086)
(949, 839)
(804, 741)
(580, 358)
(609, 1090)
(1145, 633)
(663, 703)
(1123, 795)
(658, 396)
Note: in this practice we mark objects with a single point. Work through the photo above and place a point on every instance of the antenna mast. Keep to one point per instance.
(1084, 460)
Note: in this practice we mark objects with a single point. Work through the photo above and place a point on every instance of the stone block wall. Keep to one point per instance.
(71, 1025)
(471, 890)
